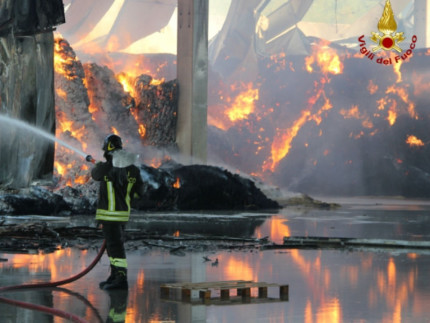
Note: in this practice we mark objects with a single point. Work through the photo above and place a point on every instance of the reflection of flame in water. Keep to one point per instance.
(390, 288)
(238, 269)
(56, 263)
(278, 229)
(394, 290)
(132, 311)
(391, 272)
(330, 311)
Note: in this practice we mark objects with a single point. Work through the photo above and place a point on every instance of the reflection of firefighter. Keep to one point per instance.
(118, 306)
(118, 184)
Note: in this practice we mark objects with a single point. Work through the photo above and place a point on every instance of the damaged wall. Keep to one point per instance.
(27, 87)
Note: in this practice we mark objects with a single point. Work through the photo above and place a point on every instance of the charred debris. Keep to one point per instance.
(170, 187)
(90, 102)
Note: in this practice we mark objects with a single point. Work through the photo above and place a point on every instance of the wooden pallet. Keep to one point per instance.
(242, 287)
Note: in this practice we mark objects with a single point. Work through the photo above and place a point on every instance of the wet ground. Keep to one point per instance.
(329, 285)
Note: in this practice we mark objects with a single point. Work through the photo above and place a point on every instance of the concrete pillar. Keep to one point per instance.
(192, 73)
(421, 20)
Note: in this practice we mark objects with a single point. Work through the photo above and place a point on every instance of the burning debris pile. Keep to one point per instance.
(172, 187)
(91, 102)
(332, 122)
(200, 187)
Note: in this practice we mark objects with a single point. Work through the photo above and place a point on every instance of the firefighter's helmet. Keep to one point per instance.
(112, 142)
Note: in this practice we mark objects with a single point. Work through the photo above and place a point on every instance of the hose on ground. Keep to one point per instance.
(49, 310)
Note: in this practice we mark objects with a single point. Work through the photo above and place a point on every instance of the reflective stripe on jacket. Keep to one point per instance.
(117, 186)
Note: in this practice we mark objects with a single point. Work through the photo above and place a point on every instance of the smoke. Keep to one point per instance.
(326, 120)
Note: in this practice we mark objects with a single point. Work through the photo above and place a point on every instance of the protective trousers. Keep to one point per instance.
(114, 235)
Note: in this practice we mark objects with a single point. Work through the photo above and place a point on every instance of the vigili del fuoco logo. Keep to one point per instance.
(387, 39)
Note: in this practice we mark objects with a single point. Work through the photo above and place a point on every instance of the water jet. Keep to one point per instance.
(40, 132)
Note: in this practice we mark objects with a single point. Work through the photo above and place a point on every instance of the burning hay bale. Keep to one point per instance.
(91, 102)
(109, 104)
(157, 106)
(73, 119)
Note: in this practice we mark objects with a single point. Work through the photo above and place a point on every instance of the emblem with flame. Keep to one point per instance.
(387, 26)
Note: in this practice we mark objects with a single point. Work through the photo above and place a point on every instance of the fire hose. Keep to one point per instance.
(49, 310)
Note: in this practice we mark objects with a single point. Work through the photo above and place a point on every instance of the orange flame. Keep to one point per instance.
(62, 62)
(392, 114)
(127, 79)
(64, 125)
(243, 104)
(177, 183)
(282, 142)
(326, 58)
(372, 87)
(403, 94)
(414, 141)
(157, 82)
(114, 131)
(355, 113)
(396, 68)
(141, 129)
(126, 82)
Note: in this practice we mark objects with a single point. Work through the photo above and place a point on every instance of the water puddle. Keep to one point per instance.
(326, 285)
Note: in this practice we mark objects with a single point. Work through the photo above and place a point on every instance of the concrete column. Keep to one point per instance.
(421, 19)
(192, 73)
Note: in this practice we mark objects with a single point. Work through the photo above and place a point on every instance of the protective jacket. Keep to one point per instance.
(117, 187)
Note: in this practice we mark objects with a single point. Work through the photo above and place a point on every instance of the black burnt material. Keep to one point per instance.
(199, 187)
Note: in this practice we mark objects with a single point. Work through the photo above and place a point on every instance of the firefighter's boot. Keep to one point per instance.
(119, 280)
(110, 278)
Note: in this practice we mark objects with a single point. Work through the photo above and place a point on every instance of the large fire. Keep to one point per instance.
(289, 105)
(302, 99)
(83, 117)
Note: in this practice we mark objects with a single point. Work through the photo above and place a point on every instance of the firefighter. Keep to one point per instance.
(118, 184)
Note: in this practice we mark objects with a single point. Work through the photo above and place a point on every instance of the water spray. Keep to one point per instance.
(43, 133)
